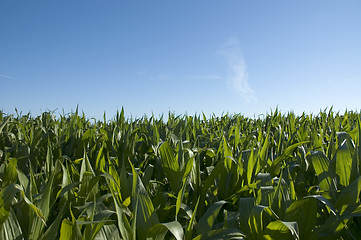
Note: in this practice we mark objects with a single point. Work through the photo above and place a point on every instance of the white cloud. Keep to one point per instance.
(238, 76)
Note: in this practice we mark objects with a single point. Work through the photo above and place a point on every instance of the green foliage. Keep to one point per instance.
(187, 177)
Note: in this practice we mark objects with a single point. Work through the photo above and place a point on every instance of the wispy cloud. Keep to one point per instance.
(142, 72)
(238, 76)
(202, 77)
(350, 80)
(198, 77)
(7, 77)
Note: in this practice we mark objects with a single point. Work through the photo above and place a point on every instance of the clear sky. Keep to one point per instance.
(153, 56)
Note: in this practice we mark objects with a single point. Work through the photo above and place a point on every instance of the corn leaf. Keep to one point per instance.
(281, 230)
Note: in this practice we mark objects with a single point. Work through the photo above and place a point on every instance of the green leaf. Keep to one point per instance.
(10, 173)
(66, 230)
(227, 154)
(257, 220)
(180, 198)
(158, 231)
(321, 164)
(223, 234)
(24, 181)
(325, 202)
(145, 212)
(262, 155)
(287, 154)
(245, 209)
(304, 212)
(7, 195)
(11, 229)
(86, 189)
(349, 195)
(251, 167)
(53, 230)
(343, 164)
(3, 124)
(281, 198)
(67, 188)
(44, 206)
(281, 230)
(100, 162)
(206, 222)
(192, 221)
(123, 223)
(358, 146)
(36, 210)
(188, 168)
(170, 166)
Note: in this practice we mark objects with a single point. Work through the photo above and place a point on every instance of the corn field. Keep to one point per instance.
(280, 176)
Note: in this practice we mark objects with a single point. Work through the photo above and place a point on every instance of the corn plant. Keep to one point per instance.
(279, 176)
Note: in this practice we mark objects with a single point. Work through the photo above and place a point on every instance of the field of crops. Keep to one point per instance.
(280, 176)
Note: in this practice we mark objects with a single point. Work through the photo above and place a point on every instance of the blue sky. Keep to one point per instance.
(244, 56)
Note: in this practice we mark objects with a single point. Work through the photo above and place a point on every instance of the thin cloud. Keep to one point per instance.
(143, 72)
(7, 77)
(202, 77)
(238, 76)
